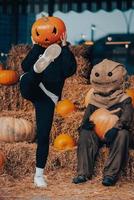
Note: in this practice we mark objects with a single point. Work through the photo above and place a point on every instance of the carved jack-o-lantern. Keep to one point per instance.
(48, 30)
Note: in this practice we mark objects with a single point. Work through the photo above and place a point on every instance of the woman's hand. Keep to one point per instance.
(64, 39)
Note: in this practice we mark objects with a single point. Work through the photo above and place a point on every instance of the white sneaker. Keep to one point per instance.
(39, 181)
(52, 52)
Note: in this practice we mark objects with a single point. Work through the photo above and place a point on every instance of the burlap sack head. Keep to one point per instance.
(108, 76)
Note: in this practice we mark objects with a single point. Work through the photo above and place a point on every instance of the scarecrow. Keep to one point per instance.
(108, 80)
(45, 72)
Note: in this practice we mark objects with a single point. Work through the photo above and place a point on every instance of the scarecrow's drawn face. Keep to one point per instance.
(48, 30)
(107, 77)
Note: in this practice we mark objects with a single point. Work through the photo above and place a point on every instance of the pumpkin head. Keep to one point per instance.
(2, 159)
(64, 107)
(130, 93)
(108, 76)
(8, 77)
(16, 130)
(48, 30)
(64, 142)
(104, 120)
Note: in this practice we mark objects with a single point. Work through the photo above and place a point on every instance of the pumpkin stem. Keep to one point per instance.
(115, 111)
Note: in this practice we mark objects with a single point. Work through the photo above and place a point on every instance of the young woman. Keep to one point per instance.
(45, 72)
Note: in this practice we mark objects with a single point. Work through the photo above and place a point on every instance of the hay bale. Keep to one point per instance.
(67, 125)
(75, 92)
(20, 160)
(16, 55)
(81, 50)
(11, 99)
(71, 124)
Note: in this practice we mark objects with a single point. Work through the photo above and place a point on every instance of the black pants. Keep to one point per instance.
(44, 107)
(88, 147)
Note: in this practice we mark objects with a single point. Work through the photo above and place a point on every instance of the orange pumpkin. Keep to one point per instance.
(64, 107)
(88, 96)
(130, 93)
(64, 142)
(2, 159)
(48, 30)
(104, 120)
(8, 77)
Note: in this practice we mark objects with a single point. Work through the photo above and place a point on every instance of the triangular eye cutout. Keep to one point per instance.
(37, 33)
(54, 30)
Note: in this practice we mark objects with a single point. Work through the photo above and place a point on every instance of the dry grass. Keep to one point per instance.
(17, 180)
(20, 160)
(61, 188)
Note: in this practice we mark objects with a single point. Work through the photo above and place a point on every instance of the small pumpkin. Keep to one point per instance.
(16, 130)
(8, 77)
(48, 30)
(64, 142)
(64, 107)
(104, 120)
(2, 159)
(130, 93)
(88, 96)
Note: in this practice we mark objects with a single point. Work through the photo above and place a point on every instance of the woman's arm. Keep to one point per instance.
(69, 64)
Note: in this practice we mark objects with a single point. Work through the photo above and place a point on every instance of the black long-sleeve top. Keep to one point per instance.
(53, 77)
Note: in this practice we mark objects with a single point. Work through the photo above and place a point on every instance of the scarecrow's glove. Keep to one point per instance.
(111, 135)
(87, 125)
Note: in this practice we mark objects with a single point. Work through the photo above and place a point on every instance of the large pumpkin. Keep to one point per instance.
(48, 30)
(64, 107)
(130, 93)
(16, 130)
(8, 77)
(104, 120)
(64, 142)
(2, 159)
